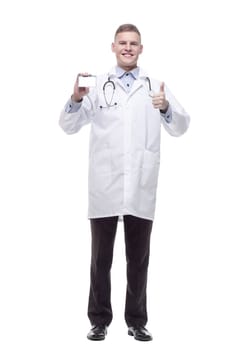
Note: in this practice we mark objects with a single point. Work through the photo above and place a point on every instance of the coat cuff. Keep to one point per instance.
(72, 107)
(167, 115)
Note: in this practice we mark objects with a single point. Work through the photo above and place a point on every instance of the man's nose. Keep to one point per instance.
(128, 46)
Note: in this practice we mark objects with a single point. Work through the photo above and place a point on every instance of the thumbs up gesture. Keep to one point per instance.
(159, 100)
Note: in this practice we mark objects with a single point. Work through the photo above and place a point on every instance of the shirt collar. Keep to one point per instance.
(120, 72)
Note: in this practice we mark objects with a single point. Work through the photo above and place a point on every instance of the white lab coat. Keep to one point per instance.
(124, 152)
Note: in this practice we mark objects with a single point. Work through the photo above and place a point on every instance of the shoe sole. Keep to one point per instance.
(137, 338)
(96, 339)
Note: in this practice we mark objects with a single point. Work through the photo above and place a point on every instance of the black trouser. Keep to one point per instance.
(137, 244)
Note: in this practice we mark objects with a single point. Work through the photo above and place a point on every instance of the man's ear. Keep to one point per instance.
(141, 49)
(113, 47)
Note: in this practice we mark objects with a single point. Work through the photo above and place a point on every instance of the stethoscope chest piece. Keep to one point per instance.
(151, 93)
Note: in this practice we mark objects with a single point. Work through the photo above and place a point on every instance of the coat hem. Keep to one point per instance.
(120, 215)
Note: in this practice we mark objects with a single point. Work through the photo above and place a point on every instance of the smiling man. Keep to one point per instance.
(127, 47)
(126, 109)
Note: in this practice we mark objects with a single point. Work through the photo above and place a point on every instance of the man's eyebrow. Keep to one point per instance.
(131, 42)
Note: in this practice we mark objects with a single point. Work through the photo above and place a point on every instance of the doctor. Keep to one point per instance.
(126, 110)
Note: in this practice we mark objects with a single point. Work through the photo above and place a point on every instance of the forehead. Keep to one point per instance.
(127, 36)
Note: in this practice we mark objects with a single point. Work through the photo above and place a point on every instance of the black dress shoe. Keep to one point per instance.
(140, 333)
(97, 333)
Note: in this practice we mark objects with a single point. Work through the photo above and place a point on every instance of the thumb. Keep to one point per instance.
(162, 87)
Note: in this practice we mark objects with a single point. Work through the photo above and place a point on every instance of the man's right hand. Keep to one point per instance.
(79, 92)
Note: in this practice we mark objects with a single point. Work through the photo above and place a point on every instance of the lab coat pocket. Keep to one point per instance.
(150, 170)
(101, 161)
(100, 174)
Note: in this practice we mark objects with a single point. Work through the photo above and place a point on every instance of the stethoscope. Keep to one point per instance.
(110, 83)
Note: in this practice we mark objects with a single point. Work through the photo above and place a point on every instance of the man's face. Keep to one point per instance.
(127, 47)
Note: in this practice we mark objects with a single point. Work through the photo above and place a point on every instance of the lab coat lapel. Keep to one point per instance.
(136, 85)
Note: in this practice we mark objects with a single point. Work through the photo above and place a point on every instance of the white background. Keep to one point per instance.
(45, 236)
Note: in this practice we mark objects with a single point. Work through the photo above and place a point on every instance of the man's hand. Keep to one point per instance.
(79, 92)
(159, 100)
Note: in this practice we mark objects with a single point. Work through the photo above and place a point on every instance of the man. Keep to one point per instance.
(125, 109)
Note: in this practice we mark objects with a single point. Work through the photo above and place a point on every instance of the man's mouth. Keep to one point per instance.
(127, 54)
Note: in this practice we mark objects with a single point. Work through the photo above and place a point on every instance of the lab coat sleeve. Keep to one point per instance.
(71, 123)
(180, 119)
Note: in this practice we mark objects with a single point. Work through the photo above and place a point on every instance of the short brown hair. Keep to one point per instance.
(128, 27)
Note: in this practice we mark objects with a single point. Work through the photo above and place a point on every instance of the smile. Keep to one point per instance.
(127, 55)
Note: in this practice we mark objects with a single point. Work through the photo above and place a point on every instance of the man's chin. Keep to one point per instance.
(129, 64)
